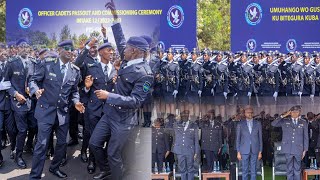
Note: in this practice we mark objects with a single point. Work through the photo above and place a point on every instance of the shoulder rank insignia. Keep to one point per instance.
(75, 67)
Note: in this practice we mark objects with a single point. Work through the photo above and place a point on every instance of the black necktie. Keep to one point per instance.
(106, 72)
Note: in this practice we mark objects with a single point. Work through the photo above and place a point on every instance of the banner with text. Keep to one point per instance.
(47, 22)
(286, 25)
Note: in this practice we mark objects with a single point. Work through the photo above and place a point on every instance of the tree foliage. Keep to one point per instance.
(65, 33)
(2, 20)
(214, 24)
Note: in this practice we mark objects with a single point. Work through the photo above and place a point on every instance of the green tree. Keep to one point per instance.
(75, 39)
(82, 39)
(2, 20)
(53, 41)
(214, 24)
(65, 33)
(38, 38)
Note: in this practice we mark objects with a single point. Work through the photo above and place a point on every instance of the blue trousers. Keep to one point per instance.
(249, 161)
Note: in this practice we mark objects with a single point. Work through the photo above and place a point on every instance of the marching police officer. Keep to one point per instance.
(17, 74)
(186, 145)
(295, 140)
(59, 79)
(184, 65)
(211, 140)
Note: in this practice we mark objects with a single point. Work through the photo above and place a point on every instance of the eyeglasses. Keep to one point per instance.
(68, 48)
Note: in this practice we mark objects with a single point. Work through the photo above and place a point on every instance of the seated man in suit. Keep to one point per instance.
(249, 143)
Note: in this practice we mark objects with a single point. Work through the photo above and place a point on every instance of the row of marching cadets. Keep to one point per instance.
(199, 82)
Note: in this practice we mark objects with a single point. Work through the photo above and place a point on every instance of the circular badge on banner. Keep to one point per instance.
(291, 45)
(175, 16)
(253, 14)
(25, 18)
(251, 45)
(161, 45)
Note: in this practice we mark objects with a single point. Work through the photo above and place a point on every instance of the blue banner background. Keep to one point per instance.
(302, 35)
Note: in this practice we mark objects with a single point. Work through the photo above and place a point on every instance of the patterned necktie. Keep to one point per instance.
(2, 66)
(63, 69)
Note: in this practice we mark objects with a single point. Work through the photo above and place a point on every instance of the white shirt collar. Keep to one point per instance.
(61, 63)
(135, 61)
(103, 65)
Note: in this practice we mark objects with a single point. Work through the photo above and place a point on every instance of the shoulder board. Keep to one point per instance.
(13, 59)
(250, 65)
(226, 64)
(199, 63)
(175, 62)
(33, 60)
(299, 63)
(50, 59)
(75, 67)
(91, 64)
(148, 70)
(275, 64)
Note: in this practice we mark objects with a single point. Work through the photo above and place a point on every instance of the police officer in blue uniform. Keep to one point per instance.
(194, 84)
(170, 75)
(184, 65)
(17, 74)
(132, 87)
(270, 82)
(295, 76)
(220, 83)
(211, 139)
(295, 140)
(157, 87)
(245, 80)
(186, 145)
(208, 65)
(98, 76)
(6, 117)
(317, 74)
(160, 144)
(309, 79)
(89, 55)
(59, 79)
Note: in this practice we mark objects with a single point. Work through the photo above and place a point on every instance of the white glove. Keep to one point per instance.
(311, 96)
(199, 92)
(235, 94)
(249, 94)
(212, 92)
(175, 92)
(225, 94)
(275, 94)
(300, 93)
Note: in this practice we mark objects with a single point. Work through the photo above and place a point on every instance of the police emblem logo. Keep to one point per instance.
(161, 45)
(146, 86)
(253, 14)
(291, 45)
(25, 18)
(251, 45)
(175, 16)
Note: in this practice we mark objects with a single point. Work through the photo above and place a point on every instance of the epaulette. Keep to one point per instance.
(275, 64)
(33, 60)
(250, 65)
(199, 63)
(49, 59)
(76, 67)
(175, 62)
(226, 64)
(13, 59)
(299, 63)
(148, 70)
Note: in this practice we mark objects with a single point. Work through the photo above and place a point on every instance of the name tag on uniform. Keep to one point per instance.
(288, 123)
(52, 74)
(16, 73)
